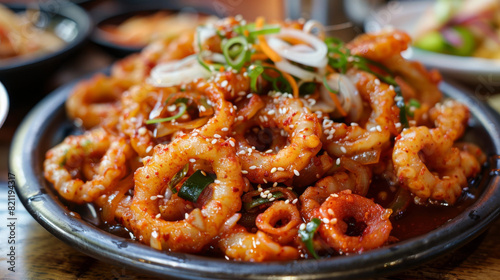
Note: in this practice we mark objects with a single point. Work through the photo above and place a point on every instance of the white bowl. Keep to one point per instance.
(404, 15)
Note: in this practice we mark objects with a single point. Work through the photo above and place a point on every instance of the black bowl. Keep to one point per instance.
(23, 76)
(47, 124)
(114, 13)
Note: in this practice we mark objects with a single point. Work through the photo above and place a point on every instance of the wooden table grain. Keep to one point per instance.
(40, 255)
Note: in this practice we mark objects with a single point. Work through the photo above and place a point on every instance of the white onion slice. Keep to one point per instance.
(296, 71)
(177, 72)
(311, 25)
(349, 95)
(313, 58)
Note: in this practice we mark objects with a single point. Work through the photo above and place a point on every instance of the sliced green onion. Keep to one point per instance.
(307, 88)
(258, 201)
(267, 29)
(182, 110)
(400, 202)
(254, 73)
(413, 103)
(178, 177)
(327, 86)
(363, 64)
(238, 59)
(402, 107)
(195, 184)
(274, 81)
(307, 235)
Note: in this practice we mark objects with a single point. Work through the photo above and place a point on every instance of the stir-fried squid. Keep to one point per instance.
(264, 142)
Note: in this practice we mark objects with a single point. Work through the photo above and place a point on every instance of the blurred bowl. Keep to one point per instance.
(4, 104)
(113, 14)
(24, 76)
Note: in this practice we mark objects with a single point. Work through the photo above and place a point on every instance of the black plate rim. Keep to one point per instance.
(52, 215)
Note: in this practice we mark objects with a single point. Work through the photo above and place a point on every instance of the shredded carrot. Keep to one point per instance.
(259, 23)
(221, 69)
(292, 83)
(267, 50)
(258, 56)
(337, 103)
(329, 69)
(294, 41)
(246, 32)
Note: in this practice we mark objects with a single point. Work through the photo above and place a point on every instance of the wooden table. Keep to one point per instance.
(39, 255)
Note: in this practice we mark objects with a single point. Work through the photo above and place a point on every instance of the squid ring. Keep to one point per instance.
(304, 132)
(415, 175)
(334, 229)
(67, 157)
(287, 214)
(95, 100)
(201, 225)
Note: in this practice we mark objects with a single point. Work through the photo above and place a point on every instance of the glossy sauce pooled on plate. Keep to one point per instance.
(267, 141)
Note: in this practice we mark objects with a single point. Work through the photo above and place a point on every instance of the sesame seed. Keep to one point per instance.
(377, 81)
(217, 181)
(172, 108)
(398, 125)
(223, 83)
(295, 201)
(354, 124)
(275, 184)
(379, 128)
(281, 169)
(195, 134)
(231, 143)
(273, 169)
(302, 226)
(326, 220)
(259, 188)
(296, 172)
(269, 151)
(214, 141)
(153, 197)
(337, 162)
(330, 137)
(291, 126)
(142, 131)
(217, 136)
(330, 211)
(186, 215)
(343, 149)
(252, 167)
(224, 129)
(192, 160)
(244, 172)
(265, 181)
(287, 201)
(271, 112)
(266, 192)
(249, 95)
(240, 118)
(272, 199)
(242, 93)
(159, 196)
(158, 216)
(202, 108)
(203, 173)
(148, 149)
(269, 195)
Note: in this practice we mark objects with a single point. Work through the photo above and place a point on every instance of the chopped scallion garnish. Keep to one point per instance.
(254, 73)
(195, 184)
(307, 235)
(182, 110)
(258, 201)
(236, 52)
(177, 178)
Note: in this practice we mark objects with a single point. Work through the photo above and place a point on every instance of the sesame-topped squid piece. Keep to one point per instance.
(451, 117)
(281, 221)
(63, 165)
(365, 140)
(204, 105)
(303, 141)
(385, 47)
(350, 176)
(352, 223)
(428, 165)
(203, 223)
(96, 101)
